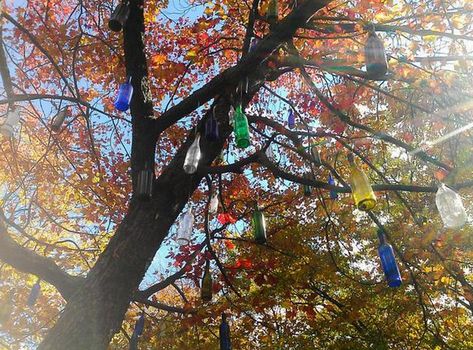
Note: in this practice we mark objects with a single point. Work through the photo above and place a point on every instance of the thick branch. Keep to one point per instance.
(27, 261)
(232, 76)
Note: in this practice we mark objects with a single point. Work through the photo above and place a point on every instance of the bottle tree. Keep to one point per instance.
(87, 208)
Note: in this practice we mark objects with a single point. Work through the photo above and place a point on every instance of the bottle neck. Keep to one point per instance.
(381, 237)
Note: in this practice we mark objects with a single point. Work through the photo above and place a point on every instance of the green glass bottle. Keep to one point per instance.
(259, 226)
(241, 129)
(206, 288)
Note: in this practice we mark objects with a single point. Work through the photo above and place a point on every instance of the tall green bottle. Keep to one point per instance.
(259, 226)
(241, 128)
(206, 288)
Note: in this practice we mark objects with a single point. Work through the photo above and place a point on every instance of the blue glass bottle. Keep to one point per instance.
(254, 42)
(388, 262)
(122, 103)
(211, 129)
(225, 342)
(331, 181)
(34, 294)
(139, 325)
(291, 120)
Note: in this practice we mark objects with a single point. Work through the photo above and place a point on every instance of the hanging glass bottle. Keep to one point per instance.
(375, 56)
(125, 92)
(206, 287)
(269, 152)
(137, 332)
(450, 207)
(193, 156)
(241, 128)
(388, 261)
(314, 151)
(213, 206)
(119, 17)
(272, 12)
(231, 117)
(184, 231)
(139, 325)
(58, 120)
(11, 121)
(306, 188)
(331, 181)
(363, 194)
(224, 332)
(259, 225)
(254, 42)
(34, 293)
(211, 128)
(291, 120)
(144, 185)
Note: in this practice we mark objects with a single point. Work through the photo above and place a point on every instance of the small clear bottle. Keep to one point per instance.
(191, 161)
(184, 231)
(450, 207)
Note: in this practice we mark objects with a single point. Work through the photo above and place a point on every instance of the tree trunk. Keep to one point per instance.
(96, 311)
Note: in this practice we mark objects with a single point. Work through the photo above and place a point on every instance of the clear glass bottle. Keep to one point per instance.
(388, 262)
(213, 206)
(450, 207)
(184, 231)
(11, 121)
(58, 120)
(269, 152)
(231, 117)
(191, 161)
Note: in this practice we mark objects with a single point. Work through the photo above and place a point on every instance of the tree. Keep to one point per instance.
(70, 216)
